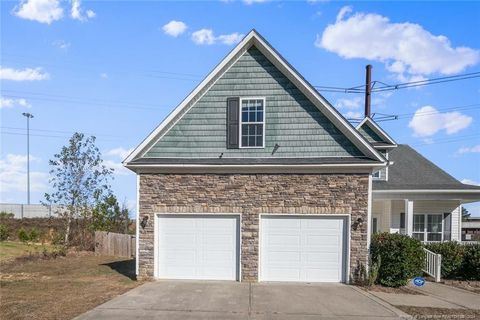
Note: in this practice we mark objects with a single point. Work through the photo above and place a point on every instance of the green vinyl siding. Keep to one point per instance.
(369, 134)
(291, 120)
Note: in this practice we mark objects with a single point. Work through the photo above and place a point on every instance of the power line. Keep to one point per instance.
(404, 85)
(2, 132)
(59, 131)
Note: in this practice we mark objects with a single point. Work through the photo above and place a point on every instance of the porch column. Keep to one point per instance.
(409, 217)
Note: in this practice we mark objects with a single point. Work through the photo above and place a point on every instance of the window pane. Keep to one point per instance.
(418, 236)
(251, 141)
(259, 141)
(244, 116)
(418, 223)
(259, 116)
(402, 220)
(434, 237)
(434, 223)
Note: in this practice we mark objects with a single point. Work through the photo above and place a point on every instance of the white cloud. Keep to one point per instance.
(27, 74)
(174, 28)
(468, 181)
(427, 121)
(230, 39)
(61, 44)
(120, 152)
(90, 14)
(353, 115)
(345, 103)
(76, 12)
(43, 11)
(11, 102)
(207, 37)
(203, 36)
(13, 174)
(407, 49)
(474, 149)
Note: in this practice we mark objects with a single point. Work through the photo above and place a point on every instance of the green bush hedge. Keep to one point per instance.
(3, 232)
(400, 258)
(452, 257)
(471, 262)
(458, 261)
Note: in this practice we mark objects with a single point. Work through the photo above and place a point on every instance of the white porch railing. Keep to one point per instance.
(433, 264)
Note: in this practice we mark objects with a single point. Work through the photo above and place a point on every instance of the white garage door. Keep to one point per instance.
(306, 249)
(197, 247)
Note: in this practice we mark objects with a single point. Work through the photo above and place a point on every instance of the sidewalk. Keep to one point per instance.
(450, 294)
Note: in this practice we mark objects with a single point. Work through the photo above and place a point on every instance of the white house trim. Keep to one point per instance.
(137, 227)
(253, 38)
(374, 126)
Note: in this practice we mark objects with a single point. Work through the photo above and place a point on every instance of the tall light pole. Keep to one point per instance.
(29, 116)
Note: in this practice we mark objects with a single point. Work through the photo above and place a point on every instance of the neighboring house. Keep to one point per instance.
(412, 195)
(471, 229)
(255, 177)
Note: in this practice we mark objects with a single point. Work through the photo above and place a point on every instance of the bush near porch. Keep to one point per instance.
(461, 262)
(397, 257)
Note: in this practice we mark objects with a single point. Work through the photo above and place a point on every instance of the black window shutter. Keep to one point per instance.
(233, 122)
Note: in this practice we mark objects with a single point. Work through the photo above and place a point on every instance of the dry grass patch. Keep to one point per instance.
(64, 287)
(402, 290)
(440, 313)
(473, 286)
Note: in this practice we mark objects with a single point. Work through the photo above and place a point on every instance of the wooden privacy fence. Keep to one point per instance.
(114, 244)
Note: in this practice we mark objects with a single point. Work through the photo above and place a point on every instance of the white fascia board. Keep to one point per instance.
(262, 169)
(319, 101)
(376, 128)
(429, 191)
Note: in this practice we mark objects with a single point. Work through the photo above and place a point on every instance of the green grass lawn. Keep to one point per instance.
(10, 250)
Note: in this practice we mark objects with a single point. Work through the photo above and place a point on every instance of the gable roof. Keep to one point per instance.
(254, 39)
(411, 171)
(375, 134)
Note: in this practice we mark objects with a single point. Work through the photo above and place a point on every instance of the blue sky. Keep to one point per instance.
(116, 69)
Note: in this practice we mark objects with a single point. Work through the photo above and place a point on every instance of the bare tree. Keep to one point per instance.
(79, 180)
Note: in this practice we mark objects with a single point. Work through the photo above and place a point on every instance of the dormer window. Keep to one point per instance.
(252, 122)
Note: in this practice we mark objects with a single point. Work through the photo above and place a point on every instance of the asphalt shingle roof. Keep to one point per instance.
(412, 171)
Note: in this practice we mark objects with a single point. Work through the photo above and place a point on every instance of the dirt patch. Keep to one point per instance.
(440, 313)
(473, 286)
(62, 288)
(400, 290)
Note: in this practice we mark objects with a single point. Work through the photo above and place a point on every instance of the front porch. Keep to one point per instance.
(425, 220)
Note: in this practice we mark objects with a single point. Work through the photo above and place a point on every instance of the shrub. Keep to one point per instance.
(452, 257)
(23, 235)
(400, 258)
(470, 269)
(3, 232)
(6, 215)
(33, 235)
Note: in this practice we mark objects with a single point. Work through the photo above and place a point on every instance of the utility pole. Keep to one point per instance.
(29, 116)
(368, 90)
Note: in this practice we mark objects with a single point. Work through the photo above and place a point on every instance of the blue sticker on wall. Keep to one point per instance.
(419, 281)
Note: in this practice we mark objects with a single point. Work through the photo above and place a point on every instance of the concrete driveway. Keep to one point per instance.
(233, 300)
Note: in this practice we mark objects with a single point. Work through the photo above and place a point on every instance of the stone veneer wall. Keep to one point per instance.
(250, 195)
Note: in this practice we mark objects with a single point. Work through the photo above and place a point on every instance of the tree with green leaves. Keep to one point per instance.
(465, 214)
(79, 180)
(109, 216)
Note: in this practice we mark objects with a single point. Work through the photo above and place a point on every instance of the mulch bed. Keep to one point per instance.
(440, 313)
(399, 290)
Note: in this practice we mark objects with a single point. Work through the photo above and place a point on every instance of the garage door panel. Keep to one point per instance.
(313, 251)
(197, 247)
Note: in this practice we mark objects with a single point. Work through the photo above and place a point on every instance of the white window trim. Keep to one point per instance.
(425, 226)
(240, 146)
(379, 178)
